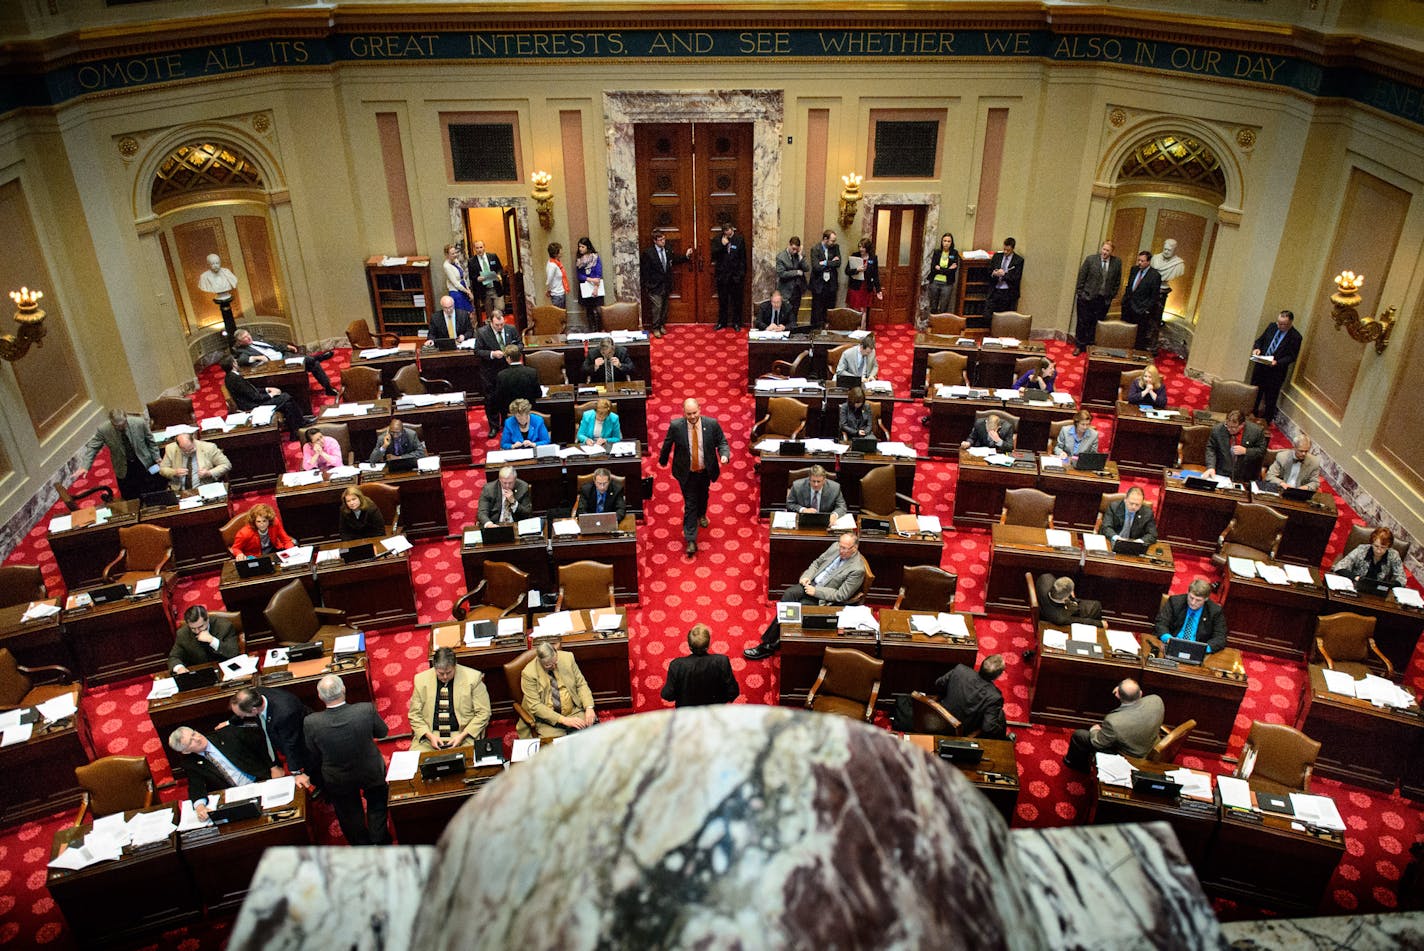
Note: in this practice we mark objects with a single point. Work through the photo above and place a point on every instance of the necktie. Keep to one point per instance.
(826, 572)
(1105, 265)
(694, 443)
(1294, 473)
(450, 324)
(193, 470)
(1127, 524)
(601, 497)
(1270, 351)
(262, 719)
(504, 509)
(1138, 278)
(558, 700)
(816, 501)
(662, 258)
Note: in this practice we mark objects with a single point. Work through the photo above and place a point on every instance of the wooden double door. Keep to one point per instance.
(898, 238)
(693, 178)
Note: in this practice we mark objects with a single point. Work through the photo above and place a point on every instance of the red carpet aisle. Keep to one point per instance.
(724, 587)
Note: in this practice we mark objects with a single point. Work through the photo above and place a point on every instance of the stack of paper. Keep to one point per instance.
(768, 334)
(300, 478)
(895, 449)
(396, 544)
(375, 353)
(210, 491)
(1339, 583)
(529, 526)
(1242, 567)
(1083, 632)
(18, 733)
(1058, 538)
(1060, 398)
(58, 708)
(503, 456)
(607, 619)
(188, 819)
(856, 617)
(826, 445)
(878, 387)
(1094, 542)
(1407, 597)
(190, 502)
(261, 416)
(473, 537)
(554, 625)
(1298, 574)
(957, 391)
(625, 448)
(211, 422)
(84, 854)
(1317, 810)
(509, 627)
(1006, 393)
(1337, 681)
(1382, 692)
(148, 827)
(243, 665)
(1050, 462)
(404, 765)
(1114, 770)
(783, 520)
(38, 610)
(951, 625)
(163, 687)
(1124, 642)
(276, 657)
(998, 458)
(1235, 793)
(768, 445)
(336, 473)
(1055, 639)
(295, 557)
(983, 452)
(61, 523)
(328, 557)
(1195, 784)
(930, 525)
(843, 523)
(427, 464)
(565, 527)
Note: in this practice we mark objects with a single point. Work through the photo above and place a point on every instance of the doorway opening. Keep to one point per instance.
(897, 234)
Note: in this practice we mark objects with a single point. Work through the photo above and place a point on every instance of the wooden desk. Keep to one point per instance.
(996, 775)
(553, 482)
(290, 378)
(489, 661)
(249, 597)
(311, 514)
(979, 492)
(793, 550)
(1073, 691)
(34, 643)
(1397, 628)
(197, 533)
(1144, 445)
(995, 364)
(39, 773)
(620, 551)
(629, 399)
(1035, 420)
(388, 365)
(221, 860)
(1268, 864)
(459, 368)
(1273, 619)
(951, 421)
(1077, 494)
(854, 466)
(445, 430)
(256, 456)
(574, 352)
(1102, 379)
(420, 809)
(530, 555)
(763, 354)
(914, 661)
(1210, 694)
(1194, 821)
(377, 592)
(1193, 519)
(81, 554)
(1309, 526)
(121, 639)
(1360, 743)
(802, 652)
(422, 501)
(362, 427)
(928, 343)
(836, 397)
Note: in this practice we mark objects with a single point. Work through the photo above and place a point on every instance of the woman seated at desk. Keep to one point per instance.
(320, 451)
(360, 517)
(599, 426)
(262, 534)
(522, 427)
(1038, 377)
(1148, 389)
(1077, 439)
(1377, 561)
(857, 419)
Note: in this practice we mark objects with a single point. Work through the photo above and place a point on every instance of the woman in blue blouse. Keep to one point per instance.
(1039, 377)
(599, 426)
(523, 428)
(589, 270)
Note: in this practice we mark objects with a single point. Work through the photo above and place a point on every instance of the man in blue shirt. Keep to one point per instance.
(1193, 617)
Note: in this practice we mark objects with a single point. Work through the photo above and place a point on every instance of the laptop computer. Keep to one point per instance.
(1197, 482)
(870, 525)
(358, 553)
(196, 679)
(402, 464)
(792, 447)
(497, 534)
(813, 519)
(960, 751)
(244, 809)
(445, 344)
(1186, 652)
(864, 444)
(1090, 461)
(1129, 546)
(1296, 493)
(1154, 784)
(1035, 395)
(311, 650)
(818, 622)
(160, 499)
(253, 567)
(108, 593)
(848, 381)
(598, 523)
(445, 764)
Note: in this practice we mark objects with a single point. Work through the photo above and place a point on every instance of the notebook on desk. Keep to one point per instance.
(818, 622)
(311, 650)
(402, 464)
(445, 344)
(847, 381)
(1197, 482)
(1155, 784)
(1297, 494)
(358, 553)
(446, 764)
(108, 593)
(1090, 461)
(1129, 546)
(1379, 589)
(792, 447)
(1035, 395)
(160, 499)
(960, 751)
(864, 444)
(244, 809)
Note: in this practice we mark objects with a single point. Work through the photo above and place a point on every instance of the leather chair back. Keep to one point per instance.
(948, 325)
(1165, 749)
(341, 434)
(147, 547)
(227, 398)
(550, 366)
(235, 619)
(947, 368)
(291, 614)
(585, 585)
(1345, 642)
(116, 784)
(358, 334)
(1054, 428)
(14, 685)
(1256, 526)
(1116, 333)
(926, 588)
(1011, 323)
(1284, 757)
(21, 584)
(928, 716)
(625, 315)
(505, 585)
(407, 382)
(786, 417)
(1227, 395)
(1108, 499)
(866, 581)
(1124, 383)
(833, 358)
(1023, 364)
(548, 319)
(416, 429)
(231, 528)
(1028, 506)
(617, 481)
(877, 492)
(1191, 447)
(387, 499)
(171, 411)
(1032, 600)
(843, 318)
(1012, 420)
(513, 674)
(359, 384)
(1360, 535)
(877, 428)
(850, 677)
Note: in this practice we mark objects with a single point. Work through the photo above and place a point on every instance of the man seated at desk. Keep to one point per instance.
(974, 699)
(702, 678)
(554, 693)
(188, 463)
(1376, 561)
(860, 361)
(278, 717)
(775, 316)
(504, 500)
(993, 432)
(834, 577)
(608, 363)
(1130, 730)
(815, 494)
(1058, 606)
(1193, 616)
(249, 397)
(1294, 468)
(599, 426)
(449, 324)
(1235, 448)
(602, 494)
(250, 351)
(1131, 518)
(449, 704)
(523, 427)
(516, 381)
(397, 443)
(201, 640)
(227, 758)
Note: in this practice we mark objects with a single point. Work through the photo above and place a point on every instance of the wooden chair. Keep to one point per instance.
(585, 585)
(1166, 747)
(1010, 323)
(946, 368)
(1116, 333)
(231, 527)
(387, 499)
(1227, 395)
(171, 411)
(785, 419)
(235, 619)
(800, 366)
(1024, 364)
(342, 435)
(1011, 419)
(358, 334)
(1032, 600)
(1124, 383)
(877, 428)
(1254, 532)
(625, 315)
(513, 679)
(415, 429)
(71, 500)
(1108, 499)
(114, 784)
(295, 620)
(1284, 758)
(21, 584)
(359, 384)
(1030, 507)
(948, 325)
(848, 685)
(1346, 641)
(844, 319)
(19, 687)
(927, 715)
(144, 551)
(1191, 446)
(1054, 428)
(867, 581)
(547, 319)
(926, 588)
(614, 481)
(878, 496)
(502, 591)
(409, 382)
(550, 366)
(833, 358)
(1360, 535)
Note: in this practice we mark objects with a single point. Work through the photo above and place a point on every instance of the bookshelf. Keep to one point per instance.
(973, 288)
(400, 294)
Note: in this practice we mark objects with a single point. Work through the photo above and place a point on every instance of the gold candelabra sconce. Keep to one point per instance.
(29, 320)
(1364, 329)
(850, 198)
(543, 198)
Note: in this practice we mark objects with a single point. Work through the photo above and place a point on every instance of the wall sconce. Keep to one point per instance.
(543, 198)
(30, 319)
(1363, 329)
(850, 197)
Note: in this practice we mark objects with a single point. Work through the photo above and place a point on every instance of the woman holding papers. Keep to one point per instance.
(319, 451)
(599, 426)
(261, 535)
(1377, 561)
(589, 271)
(863, 269)
(1077, 439)
(360, 517)
(523, 427)
(1148, 389)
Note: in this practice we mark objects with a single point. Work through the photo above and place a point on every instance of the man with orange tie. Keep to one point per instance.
(699, 450)
(449, 324)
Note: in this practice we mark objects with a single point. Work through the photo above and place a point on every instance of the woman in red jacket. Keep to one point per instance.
(262, 535)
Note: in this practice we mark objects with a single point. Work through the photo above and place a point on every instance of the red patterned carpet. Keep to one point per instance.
(725, 588)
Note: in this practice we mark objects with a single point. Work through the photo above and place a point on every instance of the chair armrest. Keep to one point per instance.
(518, 603)
(899, 598)
(384, 338)
(1320, 649)
(559, 601)
(796, 433)
(166, 563)
(435, 386)
(1275, 545)
(330, 615)
(1225, 533)
(910, 503)
(1050, 520)
(612, 601)
(461, 607)
(1305, 780)
(523, 714)
(83, 809)
(815, 688)
(151, 794)
(1374, 648)
(780, 368)
(118, 560)
(65, 674)
(870, 706)
(759, 426)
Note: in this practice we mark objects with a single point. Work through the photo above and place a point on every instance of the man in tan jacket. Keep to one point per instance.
(449, 704)
(188, 463)
(555, 693)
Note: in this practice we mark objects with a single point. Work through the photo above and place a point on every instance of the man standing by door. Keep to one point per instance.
(729, 257)
(486, 280)
(698, 449)
(1099, 280)
(655, 269)
(825, 278)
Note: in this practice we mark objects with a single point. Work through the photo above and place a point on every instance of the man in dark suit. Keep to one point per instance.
(698, 449)
(791, 269)
(1193, 616)
(1140, 303)
(1099, 280)
(1235, 448)
(602, 494)
(973, 698)
(1280, 342)
(835, 577)
(1131, 729)
(993, 432)
(825, 277)
(1130, 517)
(278, 716)
(396, 442)
(1058, 604)
(1005, 274)
(486, 278)
(516, 381)
(504, 500)
(447, 323)
(250, 351)
(226, 758)
(607, 363)
(729, 257)
(490, 341)
(201, 641)
(655, 266)
(700, 679)
(816, 494)
(775, 314)
(342, 738)
(248, 397)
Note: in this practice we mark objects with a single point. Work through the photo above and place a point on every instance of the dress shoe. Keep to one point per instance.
(691, 550)
(1074, 766)
(1077, 351)
(326, 355)
(702, 521)
(330, 392)
(759, 652)
(493, 434)
(308, 420)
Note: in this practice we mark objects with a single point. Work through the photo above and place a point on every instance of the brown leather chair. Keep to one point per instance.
(21, 584)
(547, 319)
(583, 480)
(1191, 446)
(359, 384)
(1124, 383)
(927, 715)
(550, 366)
(948, 325)
(1254, 532)
(867, 580)
(409, 382)
(1360, 535)
(387, 499)
(71, 500)
(1284, 758)
(1023, 364)
(18, 687)
(1227, 395)
(1031, 507)
(513, 674)
(1116, 333)
(625, 315)
(585, 585)
(171, 411)
(1346, 641)
(848, 685)
(342, 434)
(833, 358)
(144, 551)
(1107, 500)
(946, 368)
(114, 784)
(1054, 428)
(926, 588)
(231, 527)
(1166, 747)
(358, 334)
(878, 495)
(502, 591)
(843, 319)
(295, 620)
(800, 366)
(235, 619)
(785, 419)
(1032, 601)
(1010, 323)
(416, 429)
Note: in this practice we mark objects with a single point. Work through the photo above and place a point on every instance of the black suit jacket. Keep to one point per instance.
(343, 740)
(714, 447)
(243, 393)
(765, 318)
(514, 382)
(472, 265)
(824, 261)
(1077, 611)
(623, 372)
(979, 435)
(485, 341)
(245, 749)
(730, 259)
(1141, 301)
(1013, 276)
(1144, 525)
(613, 501)
(246, 355)
(657, 279)
(190, 653)
(463, 328)
(285, 715)
(1211, 628)
(367, 524)
(700, 680)
(1218, 452)
(490, 496)
(1285, 354)
(975, 701)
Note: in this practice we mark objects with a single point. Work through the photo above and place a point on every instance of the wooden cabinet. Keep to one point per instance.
(973, 288)
(400, 295)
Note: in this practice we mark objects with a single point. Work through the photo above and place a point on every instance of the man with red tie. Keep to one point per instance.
(699, 450)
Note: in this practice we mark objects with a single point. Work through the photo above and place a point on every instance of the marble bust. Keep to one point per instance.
(1167, 263)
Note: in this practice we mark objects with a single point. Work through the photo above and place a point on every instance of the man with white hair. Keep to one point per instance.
(188, 463)
(228, 757)
(504, 500)
(342, 737)
(1294, 468)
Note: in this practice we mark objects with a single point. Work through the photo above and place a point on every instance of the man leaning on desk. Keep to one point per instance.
(1131, 518)
(504, 500)
(202, 640)
(974, 699)
(449, 704)
(1193, 616)
(816, 494)
(278, 716)
(833, 578)
(188, 463)
(1130, 730)
(224, 759)
(397, 443)
(555, 693)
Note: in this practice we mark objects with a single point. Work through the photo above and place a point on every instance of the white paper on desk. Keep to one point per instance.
(295, 361)
(276, 657)
(857, 617)
(998, 458)
(278, 791)
(1005, 393)
(344, 472)
(783, 520)
(826, 445)
(261, 416)
(612, 621)
(300, 478)
(533, 600)
(38, 610)
(952, 392)
(565, 527)
(149, 827)
(473, 537)
(1244, 567)
(347, 644)
(188, 817)
(1050, 462)
(1337, 681)
(148, 585)
(509, 626)
(328, 557)
(11, 718)
(1058, 640)
(190, 502)
(1123, 641)
(846, 522)
(1114, 770)
(404, 765)
(1224, 482)
(61, 523)
(375, 353)
(16, 734)
(1060, 398)
(1407, 597)
(1195, 784)
(1272, 574)
(1339, 582)
(954, 625)
(1298, 574)
(427, 464)
(768, 445)
(927, 624)
(478, 641)
(625, 448)
(879, 387)
(1317, 810)
(895, 448)
(929, 525)
(1083, 632)
(396, 544)
(77, 857)
(1058, 538)
(523, 749)
(163, 687)
(529, 526)
(768, 334)
(243, 665)
(1235, 793)
(1095, 542)
(211, 422)
(983, 452)
(554, 625)
(298, 555)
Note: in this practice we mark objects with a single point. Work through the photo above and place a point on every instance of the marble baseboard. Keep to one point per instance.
(1350, 933)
